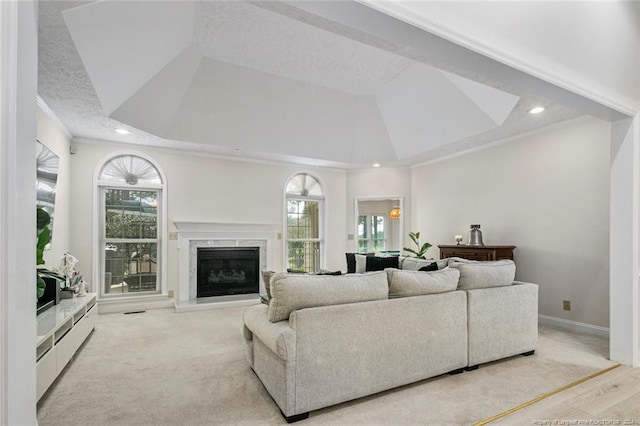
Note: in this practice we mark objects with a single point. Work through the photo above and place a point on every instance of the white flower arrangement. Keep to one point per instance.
(72, 277)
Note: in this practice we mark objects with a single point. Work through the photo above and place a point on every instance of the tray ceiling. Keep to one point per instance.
(257, 80)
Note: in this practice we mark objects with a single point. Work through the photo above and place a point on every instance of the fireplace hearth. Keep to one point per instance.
(223, 271)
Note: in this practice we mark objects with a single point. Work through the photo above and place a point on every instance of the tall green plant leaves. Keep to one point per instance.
(420, 250)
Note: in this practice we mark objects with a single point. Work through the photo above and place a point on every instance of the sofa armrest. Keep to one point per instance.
(503, 321)
(277, 336)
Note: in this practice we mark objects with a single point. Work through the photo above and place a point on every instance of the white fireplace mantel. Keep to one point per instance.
(192, 235)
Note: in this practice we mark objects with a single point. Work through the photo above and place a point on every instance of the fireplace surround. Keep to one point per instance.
(195, 235)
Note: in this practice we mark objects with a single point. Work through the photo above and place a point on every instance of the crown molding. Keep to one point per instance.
(53, 117)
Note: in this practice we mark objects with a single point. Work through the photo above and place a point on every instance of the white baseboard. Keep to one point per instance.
(574, 325)
(108, 306)
(193, 306)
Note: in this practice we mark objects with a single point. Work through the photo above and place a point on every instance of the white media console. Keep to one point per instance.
(61, 331)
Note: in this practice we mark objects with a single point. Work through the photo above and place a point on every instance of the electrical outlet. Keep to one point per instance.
(566, 305)
(170, 294)
(173, 235)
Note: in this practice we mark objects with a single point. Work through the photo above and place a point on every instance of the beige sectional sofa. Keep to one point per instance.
(323, 340)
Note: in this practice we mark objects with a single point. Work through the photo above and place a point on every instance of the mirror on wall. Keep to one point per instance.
(47, 163)
(379, 224)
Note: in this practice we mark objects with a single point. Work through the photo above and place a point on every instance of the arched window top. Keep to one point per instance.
(130, 169)
(304, 185)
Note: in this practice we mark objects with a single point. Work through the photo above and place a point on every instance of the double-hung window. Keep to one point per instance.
(304, 233)
(130, 196)
(372, 235)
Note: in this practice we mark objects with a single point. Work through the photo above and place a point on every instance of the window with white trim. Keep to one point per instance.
(372, 235)
(304, 234)
(130, 226)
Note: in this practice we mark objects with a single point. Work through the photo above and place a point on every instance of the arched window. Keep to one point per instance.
(304, 217)
(130, 234)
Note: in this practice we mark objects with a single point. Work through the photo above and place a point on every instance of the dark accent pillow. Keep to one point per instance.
(375, 263)
(430, 267)
(351, 261)
(329, 273)
(295, 271)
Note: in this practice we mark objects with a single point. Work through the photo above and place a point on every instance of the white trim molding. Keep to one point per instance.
(580, 327)
(575, 83)
(18, 90)
(96, 262)
(108, 306)
(52, 115)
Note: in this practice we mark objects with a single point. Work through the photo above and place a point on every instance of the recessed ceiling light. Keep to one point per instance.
(376, 164)
(536, 110)
(122, 131)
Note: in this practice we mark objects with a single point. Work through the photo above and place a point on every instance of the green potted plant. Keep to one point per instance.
(47, 282)
(420, 249)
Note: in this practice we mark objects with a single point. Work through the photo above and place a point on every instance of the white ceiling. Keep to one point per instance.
(264, 80)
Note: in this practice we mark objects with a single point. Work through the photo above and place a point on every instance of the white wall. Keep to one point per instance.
(548, 194)
(54, 138)
(208, 189)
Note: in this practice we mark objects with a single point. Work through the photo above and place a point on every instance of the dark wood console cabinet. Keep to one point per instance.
(476, 252)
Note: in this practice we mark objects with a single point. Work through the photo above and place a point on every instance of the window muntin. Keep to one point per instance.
(304, 224)
(372, 235)
(130, 191)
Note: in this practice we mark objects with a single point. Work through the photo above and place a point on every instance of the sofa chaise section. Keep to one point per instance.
(503, 321)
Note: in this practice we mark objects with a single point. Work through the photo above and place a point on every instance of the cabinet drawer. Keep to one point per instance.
(46, 371)
(74, 338)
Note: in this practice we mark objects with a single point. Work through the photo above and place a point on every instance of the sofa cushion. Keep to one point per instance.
(414, 264)
(404, 283)
(431, 267)
(377, 263)
(368, 262)
(266, 278)
(485, 274)
(351, 261)
(292, 292)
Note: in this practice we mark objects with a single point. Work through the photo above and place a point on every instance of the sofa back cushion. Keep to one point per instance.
(368, 262)
(415, 264)
(485, 274)
(351, 261)
(404, 283)
(290, 292)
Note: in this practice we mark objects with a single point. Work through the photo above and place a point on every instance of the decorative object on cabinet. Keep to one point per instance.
(476, 252)
(72, 278)
(475, 236)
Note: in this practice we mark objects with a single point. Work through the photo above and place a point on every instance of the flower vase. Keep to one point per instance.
(82, 289)
(66, 294)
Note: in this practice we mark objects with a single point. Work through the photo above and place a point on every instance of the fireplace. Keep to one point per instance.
(223, 271)
(193, 236)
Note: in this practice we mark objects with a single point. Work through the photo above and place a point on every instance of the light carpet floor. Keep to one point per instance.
(164, 368)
